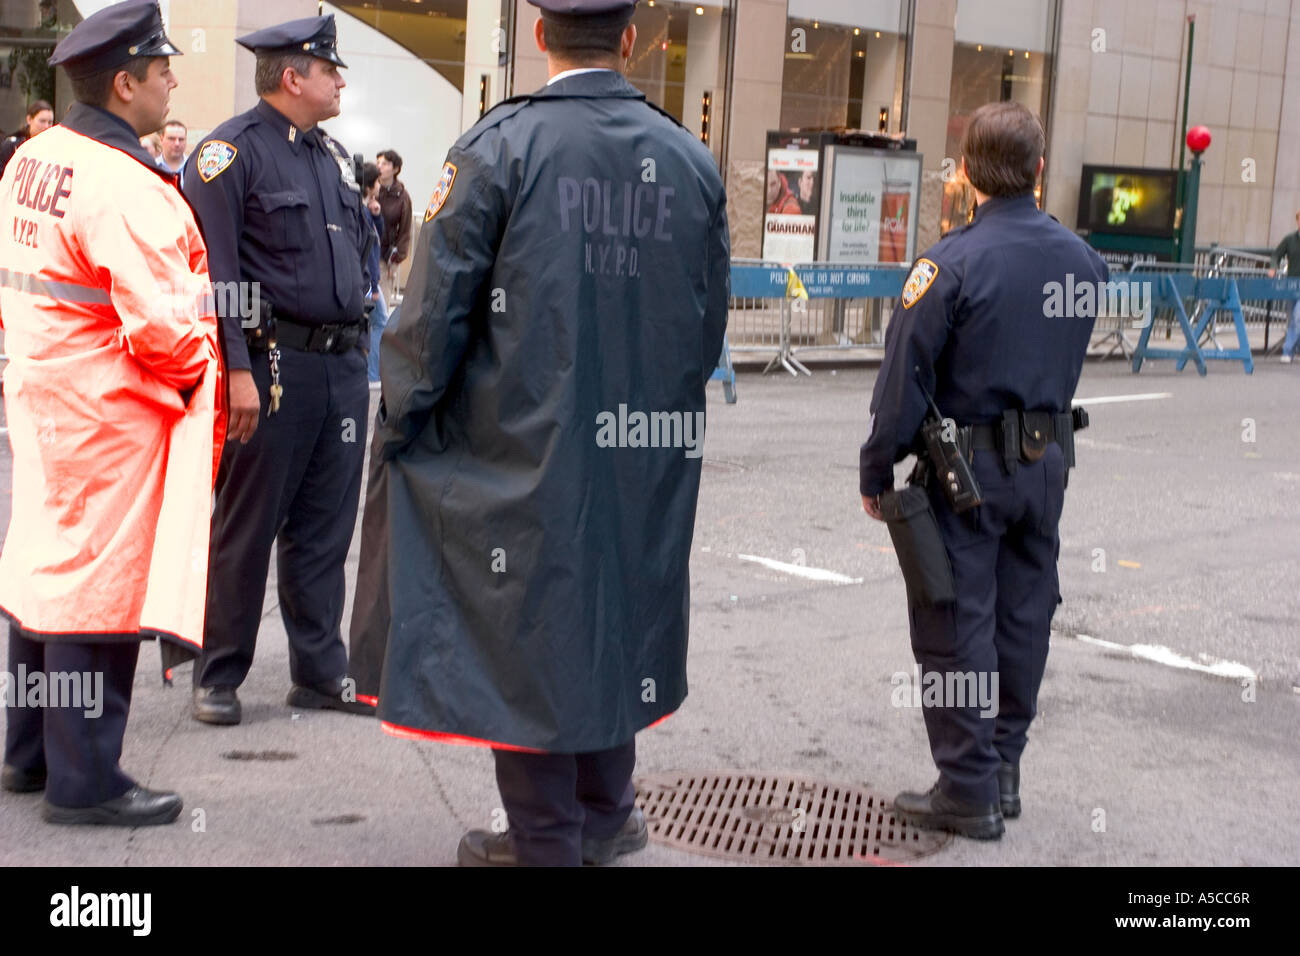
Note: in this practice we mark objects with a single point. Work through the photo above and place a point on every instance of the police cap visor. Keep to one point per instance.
(113, 37)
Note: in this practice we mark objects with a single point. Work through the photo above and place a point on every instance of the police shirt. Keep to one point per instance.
(276, 209)
(973, 319)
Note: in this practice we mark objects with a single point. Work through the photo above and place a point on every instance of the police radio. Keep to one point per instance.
(951, 468)
(358, 166)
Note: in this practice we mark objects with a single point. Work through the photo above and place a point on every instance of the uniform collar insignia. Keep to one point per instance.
(293, 132)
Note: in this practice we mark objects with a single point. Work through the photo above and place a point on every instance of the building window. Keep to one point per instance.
(844, 62)
(1002, 52)
(680, 62)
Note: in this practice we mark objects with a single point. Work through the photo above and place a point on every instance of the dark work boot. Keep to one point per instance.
(936, 810)
(1009, 790)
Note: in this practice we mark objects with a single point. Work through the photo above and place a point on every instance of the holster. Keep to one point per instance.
(918, 545)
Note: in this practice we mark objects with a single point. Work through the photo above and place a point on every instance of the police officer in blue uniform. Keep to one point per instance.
(973, 331)
(282, 216)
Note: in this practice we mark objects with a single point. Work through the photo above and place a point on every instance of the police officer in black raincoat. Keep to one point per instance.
(974, 331)
(539, 443)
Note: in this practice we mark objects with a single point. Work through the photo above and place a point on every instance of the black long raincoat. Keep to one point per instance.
(536, 461)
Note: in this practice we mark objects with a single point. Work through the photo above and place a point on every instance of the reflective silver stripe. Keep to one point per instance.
(64, 291)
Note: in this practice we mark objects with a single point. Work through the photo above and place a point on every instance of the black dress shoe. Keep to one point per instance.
(631, 837)
(328, 696)
(481, 848)
(1009, 790)
(936, 810)
(137, 807)
(216, 705)
(21, 781)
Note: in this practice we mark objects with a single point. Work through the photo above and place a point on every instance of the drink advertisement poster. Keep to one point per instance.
(792, 198)
(870, 209)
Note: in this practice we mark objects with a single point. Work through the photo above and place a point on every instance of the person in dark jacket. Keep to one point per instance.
(979, 329)
(1289, 249)
(40, 117)
(395, 205)
(539, 443)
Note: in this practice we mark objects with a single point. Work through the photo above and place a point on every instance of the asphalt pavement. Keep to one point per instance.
(1169, 725)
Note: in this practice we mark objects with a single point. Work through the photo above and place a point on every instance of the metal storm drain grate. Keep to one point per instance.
(780, 819)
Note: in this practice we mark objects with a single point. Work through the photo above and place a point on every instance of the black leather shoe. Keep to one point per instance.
(328, 696)
(1009, 790)
(936, 810)
(137, 807)
(21, 781)
(481, 848)
(631, 837)
(216, 705)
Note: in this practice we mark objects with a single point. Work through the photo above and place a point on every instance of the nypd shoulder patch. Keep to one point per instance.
(214, 157)
(918, 281)
(441, 191)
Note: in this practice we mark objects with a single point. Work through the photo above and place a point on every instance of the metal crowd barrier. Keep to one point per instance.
(847, 307)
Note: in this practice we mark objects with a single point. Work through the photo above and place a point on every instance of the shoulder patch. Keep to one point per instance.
(214, 157)
(441, 191)
(918, 281)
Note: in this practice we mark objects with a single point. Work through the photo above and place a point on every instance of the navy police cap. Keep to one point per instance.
(583, 8)
(315, 36)
(112, 37)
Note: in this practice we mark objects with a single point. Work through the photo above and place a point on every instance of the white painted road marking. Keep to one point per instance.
(1113, 399)
(1159, 654)
(801, 571)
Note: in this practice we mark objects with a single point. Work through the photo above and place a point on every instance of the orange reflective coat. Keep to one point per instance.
(114, 390)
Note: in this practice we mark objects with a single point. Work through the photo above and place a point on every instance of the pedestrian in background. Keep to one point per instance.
(379, 314)
(972, 332)
(281, 211)
(40, 117)
(114, 381)
(172, 157)
(395, 202)
(152, 144)
(1289, 249)
(537, 567)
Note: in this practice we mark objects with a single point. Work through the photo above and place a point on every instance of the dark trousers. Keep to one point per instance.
(79, 752)
(553, 801)
(1004, 564)
(298, 479)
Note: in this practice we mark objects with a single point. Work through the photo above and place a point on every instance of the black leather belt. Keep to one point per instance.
(1023, 437)
(337, 338)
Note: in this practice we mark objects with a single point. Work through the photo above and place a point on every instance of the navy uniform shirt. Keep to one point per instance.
(974, 320)
(276, 209)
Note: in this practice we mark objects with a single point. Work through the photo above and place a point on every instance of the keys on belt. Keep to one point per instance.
(338, 338)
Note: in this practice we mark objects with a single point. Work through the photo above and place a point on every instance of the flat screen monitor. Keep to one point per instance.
(1128, 200)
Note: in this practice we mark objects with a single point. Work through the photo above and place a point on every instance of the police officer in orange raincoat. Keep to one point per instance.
(112, 398)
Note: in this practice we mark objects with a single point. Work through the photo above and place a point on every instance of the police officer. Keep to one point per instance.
(282, 216)
(972, 330)
(112, 411)
(568, 295)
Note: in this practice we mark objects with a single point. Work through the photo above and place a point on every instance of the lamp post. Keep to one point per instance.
(1198, 140)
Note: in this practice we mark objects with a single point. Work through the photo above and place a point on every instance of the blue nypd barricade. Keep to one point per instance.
(829, 306)
(1205, 297)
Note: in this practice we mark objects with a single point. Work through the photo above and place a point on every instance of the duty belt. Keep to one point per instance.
(1022, 437)
(337, 338)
